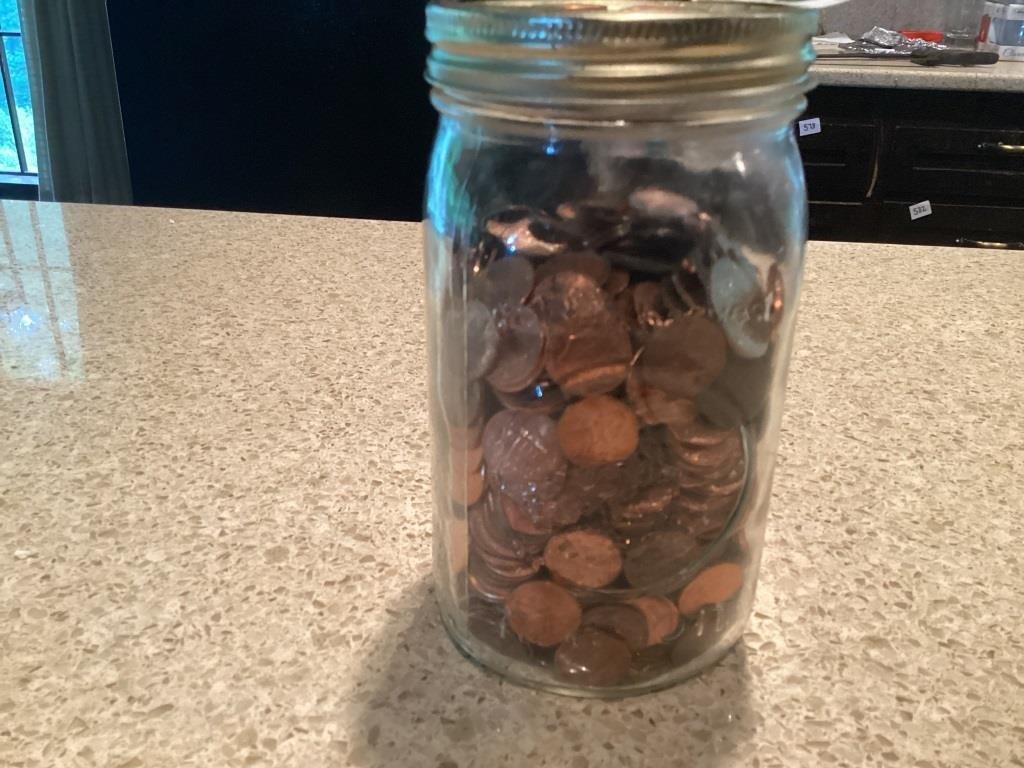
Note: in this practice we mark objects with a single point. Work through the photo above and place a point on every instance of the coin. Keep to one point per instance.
(740, 394)
(647, 304)
(645, 508)
(684, 357)
(464, 460)
(486, 583)
(663, 204)
(519, 352)
(701, 634)
(598, 430)
(583, 558)
(522, 455)
(653, 406)
(508, 281)
(713, 585)
(585, 263)
(740, 306)
(617, 282)
(526, 237)
(524, 519)
(466, 489)
(593, 658)
(542, 613)
(588, 349)
(660, 614)
(778, 297)
(541, 396)
(658, 557)
(622, 620)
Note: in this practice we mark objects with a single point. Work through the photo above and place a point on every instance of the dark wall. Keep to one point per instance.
(295, 106)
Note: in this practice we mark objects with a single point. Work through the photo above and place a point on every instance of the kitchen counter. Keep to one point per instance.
(215, 518)
(871, 73)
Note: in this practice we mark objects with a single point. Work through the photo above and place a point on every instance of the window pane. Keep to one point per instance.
(22, 97)
(9, 19)
(8, 152)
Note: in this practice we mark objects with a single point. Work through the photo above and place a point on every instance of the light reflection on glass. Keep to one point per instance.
(39, 335)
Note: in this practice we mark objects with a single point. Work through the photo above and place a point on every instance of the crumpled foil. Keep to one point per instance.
(880, 41)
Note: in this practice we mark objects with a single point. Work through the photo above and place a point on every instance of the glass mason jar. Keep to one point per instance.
(616, 219)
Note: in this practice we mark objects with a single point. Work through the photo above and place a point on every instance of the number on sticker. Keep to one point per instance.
(807, 127)
(917, 210)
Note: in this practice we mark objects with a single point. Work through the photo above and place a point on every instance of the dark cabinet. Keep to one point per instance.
(880, 151)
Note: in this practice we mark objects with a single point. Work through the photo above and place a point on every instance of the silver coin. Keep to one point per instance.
(740, 306)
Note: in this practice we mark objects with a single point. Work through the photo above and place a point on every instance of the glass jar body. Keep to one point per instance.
(610, 312)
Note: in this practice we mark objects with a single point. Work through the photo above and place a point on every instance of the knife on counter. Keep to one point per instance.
(926, 57)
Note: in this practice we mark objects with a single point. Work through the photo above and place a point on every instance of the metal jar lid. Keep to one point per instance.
(620, 60)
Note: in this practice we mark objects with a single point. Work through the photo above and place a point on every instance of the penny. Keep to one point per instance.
(564, 511)
(588, 349)
(593, 658)
(699, 432)
(465, 438)
(658, 557)
(461, 461)
(739, 304)
(508, 281)
(520, 350)
(660, 203)
(647, 304)
(598, 430)
(513, 570)
(740, 394)
(542, 397)
(645, 507)
(622, 620)
(778, 293)
(713, 585)
(488, 584)
(461, 405)
(524, 237)
(617, 282)
(689, 287)
(729, 451)
(466, 489)
(701, 635)
(481, 339)
(542, 613)
(522, 455)
(583, 558)
(684, 357)
(491, 534)
(524, 520)
(661, 616)
(585, 263)
(653, 406)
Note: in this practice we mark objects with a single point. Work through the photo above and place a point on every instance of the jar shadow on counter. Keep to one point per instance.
(417, 701)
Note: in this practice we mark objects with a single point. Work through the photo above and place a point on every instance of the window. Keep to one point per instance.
(17, 134)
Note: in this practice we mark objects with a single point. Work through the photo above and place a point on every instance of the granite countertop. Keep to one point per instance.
(871, 73)
(215, 518)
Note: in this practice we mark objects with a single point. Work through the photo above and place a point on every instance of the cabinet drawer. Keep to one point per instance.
(955, 165)
(953, 224)
(839, 162)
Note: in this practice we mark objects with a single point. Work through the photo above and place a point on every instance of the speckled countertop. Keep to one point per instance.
(870, 73)
(215, 527)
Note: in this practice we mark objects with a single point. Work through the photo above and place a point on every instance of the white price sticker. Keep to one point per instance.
(920, 210)
(807, 127)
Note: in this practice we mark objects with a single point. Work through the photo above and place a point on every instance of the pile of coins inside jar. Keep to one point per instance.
(599, 379)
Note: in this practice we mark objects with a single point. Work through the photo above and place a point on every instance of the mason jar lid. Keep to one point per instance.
(620, 60)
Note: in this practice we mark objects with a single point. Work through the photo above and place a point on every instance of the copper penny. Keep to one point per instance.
(778, 297)
(586, 263)
(699, 433)
(660, 614)
(542, 613)
(713, 585)
(524, 519)
(644, 507)
(621, 620)
(598, 430)
(508, 281)
(467, 489)
(488, 584)
(520, 350)
(702, 634)
(684, 357)
(542, 397)
(522, 455)
(655, 407)
(647, 304)
(524, 238)
(564, 511)
(583, 558)
(593, 658)
(728, 452)
(740, 306)
(490, 533)
(465, 438)
(588, 349)
(461, 461)
(658, 557)
(617, 282)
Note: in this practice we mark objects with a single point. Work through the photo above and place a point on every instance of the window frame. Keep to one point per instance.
(21, 184)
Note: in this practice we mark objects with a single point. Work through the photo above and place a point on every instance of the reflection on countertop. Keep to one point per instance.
(216, 524)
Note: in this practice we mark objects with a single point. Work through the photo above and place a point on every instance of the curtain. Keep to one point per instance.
(79, 135)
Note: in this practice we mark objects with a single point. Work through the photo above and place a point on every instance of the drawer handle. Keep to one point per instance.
(971, 243)
(1000, 148)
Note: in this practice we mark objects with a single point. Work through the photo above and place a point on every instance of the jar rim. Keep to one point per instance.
(619, 59)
